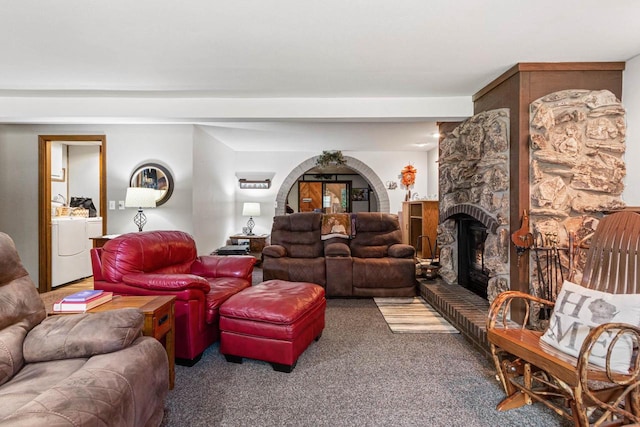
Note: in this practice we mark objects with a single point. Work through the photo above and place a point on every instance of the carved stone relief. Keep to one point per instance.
(577, 143)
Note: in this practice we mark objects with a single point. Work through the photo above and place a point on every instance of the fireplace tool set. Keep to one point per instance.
(546, 254)
(550, 274)
(428, 267)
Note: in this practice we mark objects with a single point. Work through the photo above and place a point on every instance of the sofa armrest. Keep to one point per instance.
(400, 250)
(96, 263)
(82, 335)
(337, 250)
(274, 251)
(216, 266)
(167, 282)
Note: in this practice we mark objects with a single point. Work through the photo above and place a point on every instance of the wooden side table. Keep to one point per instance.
(99, 241)
(257, 242)
(159, 320)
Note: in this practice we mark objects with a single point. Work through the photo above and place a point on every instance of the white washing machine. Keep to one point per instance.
(70, 244)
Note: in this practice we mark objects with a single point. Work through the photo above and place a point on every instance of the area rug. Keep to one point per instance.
(413, 316)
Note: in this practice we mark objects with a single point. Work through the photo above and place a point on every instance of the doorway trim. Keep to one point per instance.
(365, 171)
(44, 199)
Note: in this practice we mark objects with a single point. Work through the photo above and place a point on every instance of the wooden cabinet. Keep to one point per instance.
(420, 226)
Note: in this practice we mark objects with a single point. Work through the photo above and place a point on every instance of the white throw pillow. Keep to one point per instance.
(578, 310)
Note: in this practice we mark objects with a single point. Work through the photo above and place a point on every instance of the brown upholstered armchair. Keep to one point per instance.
(86, 369)
(296, 250)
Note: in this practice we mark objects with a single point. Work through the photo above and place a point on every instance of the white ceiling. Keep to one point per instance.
(315, 136)
(298, 48)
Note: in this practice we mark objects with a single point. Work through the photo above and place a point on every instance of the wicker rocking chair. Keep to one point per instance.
(531, 371)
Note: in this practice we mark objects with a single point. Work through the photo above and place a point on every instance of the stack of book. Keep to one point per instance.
(82, 301)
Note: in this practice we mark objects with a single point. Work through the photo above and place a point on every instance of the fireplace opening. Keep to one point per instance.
(472, 273)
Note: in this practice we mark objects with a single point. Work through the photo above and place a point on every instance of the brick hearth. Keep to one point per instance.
(464, 309)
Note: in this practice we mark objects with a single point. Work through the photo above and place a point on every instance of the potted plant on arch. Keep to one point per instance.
(328, 158)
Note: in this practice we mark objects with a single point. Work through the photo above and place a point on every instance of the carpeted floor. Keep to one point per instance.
(358, 374)
(413, 315)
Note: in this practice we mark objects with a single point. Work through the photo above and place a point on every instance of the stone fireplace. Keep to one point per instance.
(540, 152)
(474, 204)
(577, 143)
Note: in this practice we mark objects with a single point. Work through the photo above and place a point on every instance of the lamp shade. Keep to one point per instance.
(140, 197)
(251, 209)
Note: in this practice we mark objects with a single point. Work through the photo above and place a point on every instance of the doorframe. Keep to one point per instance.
(44, 198)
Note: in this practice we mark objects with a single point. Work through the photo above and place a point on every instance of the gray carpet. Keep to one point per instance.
(358, 374)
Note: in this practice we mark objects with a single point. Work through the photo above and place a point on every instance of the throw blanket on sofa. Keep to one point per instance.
(336, 225)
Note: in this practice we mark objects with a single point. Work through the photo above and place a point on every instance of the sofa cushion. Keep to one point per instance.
(402, 251)
(11, 359)
(83, 335)
(240, 266)
(311, 270)
(274, 301)
(20, 299)
(274, 251)
(339, 249)
(221, 290)
(33, 380)
(21, 308)
(299, 234)
(148, 252)
(383, 273)
(124, 388)
(375, 232)
(167, 282)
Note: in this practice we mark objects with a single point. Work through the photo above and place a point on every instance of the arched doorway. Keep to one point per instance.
(365, 171)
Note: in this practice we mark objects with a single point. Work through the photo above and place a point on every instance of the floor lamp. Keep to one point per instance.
(140, 197)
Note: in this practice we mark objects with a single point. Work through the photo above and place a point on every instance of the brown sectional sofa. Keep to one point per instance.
(371, 262)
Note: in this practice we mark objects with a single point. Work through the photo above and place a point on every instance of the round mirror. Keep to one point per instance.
(153, 175)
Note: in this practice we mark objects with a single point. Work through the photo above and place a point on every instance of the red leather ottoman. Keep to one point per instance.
(274, 321)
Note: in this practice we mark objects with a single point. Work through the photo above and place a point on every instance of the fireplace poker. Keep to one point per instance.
(558, 263)
(553, 265)
(572, 239)
(542, 285)
(549, 266)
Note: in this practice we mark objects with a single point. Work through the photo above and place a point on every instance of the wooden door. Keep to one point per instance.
(310, 196)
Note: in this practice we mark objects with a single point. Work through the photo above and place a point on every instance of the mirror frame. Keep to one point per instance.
(164, 170)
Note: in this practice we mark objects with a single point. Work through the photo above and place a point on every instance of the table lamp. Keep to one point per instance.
(140, 197)
(250, 209)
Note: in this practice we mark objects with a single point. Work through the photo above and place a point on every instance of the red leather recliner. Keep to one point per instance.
(166, 263)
